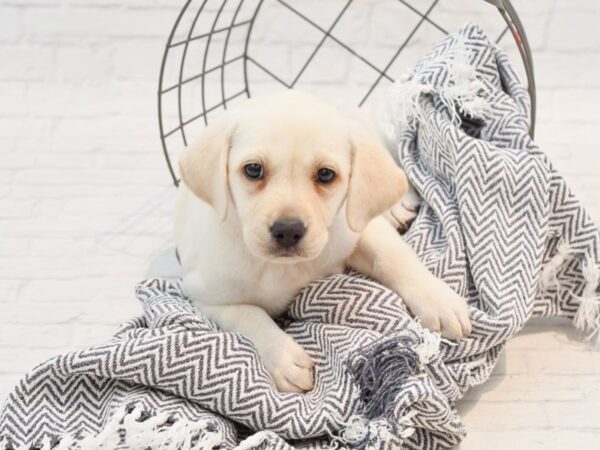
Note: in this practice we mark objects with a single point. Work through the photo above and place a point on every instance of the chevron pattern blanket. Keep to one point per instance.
(498, 224)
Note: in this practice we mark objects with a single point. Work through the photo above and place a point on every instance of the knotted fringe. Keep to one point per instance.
(402, 109)
(587, 318)
(549, 275)
(262, 438)
(460, 94)
(381, 370)
(133, 428)
(377, 434)
(462, 91)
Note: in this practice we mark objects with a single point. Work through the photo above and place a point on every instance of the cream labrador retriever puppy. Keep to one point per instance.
(283, 191)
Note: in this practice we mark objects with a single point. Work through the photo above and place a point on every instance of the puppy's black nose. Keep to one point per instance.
(288, 232)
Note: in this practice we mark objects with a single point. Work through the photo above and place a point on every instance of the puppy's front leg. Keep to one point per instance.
(287, 362)
(382, 254)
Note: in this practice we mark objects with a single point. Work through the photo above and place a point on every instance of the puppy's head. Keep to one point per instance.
(286, 165)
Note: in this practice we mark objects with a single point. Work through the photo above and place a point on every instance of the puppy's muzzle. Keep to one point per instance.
(287, 232)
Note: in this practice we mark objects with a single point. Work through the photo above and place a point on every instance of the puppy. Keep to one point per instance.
(283, 191)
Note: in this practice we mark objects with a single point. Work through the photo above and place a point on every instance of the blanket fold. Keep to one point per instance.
(497, 223)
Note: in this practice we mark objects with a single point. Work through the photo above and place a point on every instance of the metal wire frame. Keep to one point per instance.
(505, 8)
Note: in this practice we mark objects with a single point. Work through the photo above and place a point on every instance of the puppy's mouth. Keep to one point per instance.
(290, 253)
(268, 250)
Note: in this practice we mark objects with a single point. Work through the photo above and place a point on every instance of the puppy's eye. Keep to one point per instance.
(325, 175)
(254, 171)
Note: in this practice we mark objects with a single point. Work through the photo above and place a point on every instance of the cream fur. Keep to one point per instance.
(235, 272)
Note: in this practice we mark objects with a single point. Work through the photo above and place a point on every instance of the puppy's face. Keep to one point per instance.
(287, 165)
(288, 178)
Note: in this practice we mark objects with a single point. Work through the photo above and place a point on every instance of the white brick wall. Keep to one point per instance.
(85, 196)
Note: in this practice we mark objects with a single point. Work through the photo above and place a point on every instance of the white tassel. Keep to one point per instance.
(177, 436)
(153, 433)
(65, 443)
(429, 348)
(359, 428)
(548, 277)
(587, 317)
(109, 437)
(402, 109)
(463, 88)
(355, 430)
(253, 441)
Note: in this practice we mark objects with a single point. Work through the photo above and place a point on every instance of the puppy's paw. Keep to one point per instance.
(441, 309)
(401, 216)
(403, 213)
(290, 366)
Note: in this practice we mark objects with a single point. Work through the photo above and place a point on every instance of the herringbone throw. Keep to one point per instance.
(498, 224)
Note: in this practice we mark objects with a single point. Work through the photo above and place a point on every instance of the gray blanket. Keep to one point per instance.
(498, 224)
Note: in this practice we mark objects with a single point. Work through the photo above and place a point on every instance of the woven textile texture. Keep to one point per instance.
(497, 223)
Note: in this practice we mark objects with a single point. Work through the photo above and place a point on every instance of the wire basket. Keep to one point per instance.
(223, 51)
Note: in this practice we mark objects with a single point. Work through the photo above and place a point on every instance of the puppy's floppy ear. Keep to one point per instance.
(376, 182)
(204, 164)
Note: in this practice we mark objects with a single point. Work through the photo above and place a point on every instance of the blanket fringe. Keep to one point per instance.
(429, 348)
(460, 95)
(360, 432)
(134, 429)
(403, 110)
(548, 277)
(256, 440)
(587, 318)
(462, 92)
(381, 370)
